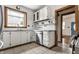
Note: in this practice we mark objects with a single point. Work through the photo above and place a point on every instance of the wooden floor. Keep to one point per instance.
(66, 39)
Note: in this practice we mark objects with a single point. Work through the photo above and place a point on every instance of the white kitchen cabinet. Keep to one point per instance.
(40, 14)
(35, 16)
(15, 38)
(48, 38)
(33, 36)
(6, 39)
(20, 37)
(43, 13)
(29, 36)
(24, 37)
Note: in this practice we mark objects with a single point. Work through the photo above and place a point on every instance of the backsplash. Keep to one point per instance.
(45, 25)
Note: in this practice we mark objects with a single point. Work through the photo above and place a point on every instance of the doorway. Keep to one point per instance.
(68, 29)
(59, 15)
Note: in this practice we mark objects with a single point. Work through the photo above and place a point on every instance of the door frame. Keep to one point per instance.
(65, 11)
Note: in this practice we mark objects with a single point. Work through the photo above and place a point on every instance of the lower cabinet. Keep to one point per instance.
(33, 36)
(48, 38)
(20, 37)
(29, 36)
(24, 37)
(6, 39)
(15, 38)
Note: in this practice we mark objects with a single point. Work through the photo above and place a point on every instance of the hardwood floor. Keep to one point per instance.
(66, 39)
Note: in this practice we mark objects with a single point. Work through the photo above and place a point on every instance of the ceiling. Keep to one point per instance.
(34, 7)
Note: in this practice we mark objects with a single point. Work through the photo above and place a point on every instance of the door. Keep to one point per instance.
(64, 11)
(67, 29)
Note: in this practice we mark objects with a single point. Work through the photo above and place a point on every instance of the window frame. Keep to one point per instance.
(6, 20)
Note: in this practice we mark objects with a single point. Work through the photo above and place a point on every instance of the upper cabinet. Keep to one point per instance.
(44, 13)
(34, 17)
(41, 14)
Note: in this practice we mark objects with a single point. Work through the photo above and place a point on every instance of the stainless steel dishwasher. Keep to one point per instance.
(39, 37)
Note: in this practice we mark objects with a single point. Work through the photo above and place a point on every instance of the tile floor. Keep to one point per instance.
(33, 48)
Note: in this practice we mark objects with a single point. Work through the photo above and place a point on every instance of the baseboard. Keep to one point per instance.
(17, 46)
(27, 43)
(59, 41)
(45, 46)
(52, 46)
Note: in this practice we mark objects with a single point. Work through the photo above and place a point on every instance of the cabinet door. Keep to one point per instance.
(35, 16)
(15, 38)
(38, 15)
(29, 36)
(41, 14)
(48, 38)
(24, 37)
(33, 36)
(6, 39)
(44, 13)
(45, 36)
(52, 38)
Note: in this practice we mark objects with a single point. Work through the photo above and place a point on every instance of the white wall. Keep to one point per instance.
(29, 17)
(52, 12)
(53, 8)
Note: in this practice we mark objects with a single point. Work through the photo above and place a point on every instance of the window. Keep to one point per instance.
(15, 18)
